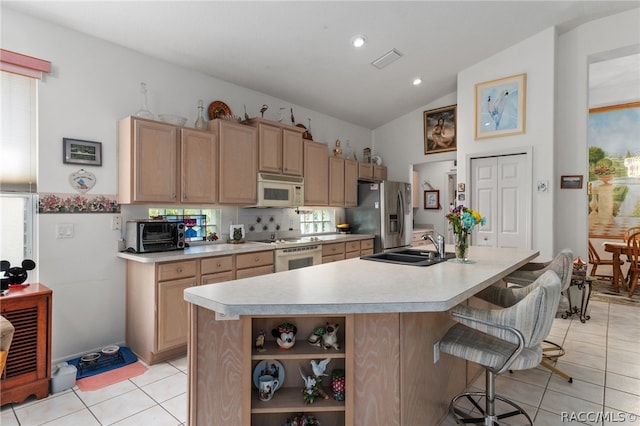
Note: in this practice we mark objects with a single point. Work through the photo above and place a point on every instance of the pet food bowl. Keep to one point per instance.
(110, 350)
(90, 358)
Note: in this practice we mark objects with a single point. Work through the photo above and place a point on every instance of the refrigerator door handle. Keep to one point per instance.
(401, 214)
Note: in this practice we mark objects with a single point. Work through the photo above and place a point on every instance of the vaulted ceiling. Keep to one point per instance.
(300, 51)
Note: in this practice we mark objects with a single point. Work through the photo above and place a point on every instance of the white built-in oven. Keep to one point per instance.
(295, 257)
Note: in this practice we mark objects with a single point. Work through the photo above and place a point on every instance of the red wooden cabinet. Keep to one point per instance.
(28, 368)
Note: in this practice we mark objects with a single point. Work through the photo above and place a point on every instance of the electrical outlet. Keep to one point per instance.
(116, 222)
(436, 352)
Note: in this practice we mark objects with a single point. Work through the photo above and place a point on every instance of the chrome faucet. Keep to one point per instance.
(438, 242)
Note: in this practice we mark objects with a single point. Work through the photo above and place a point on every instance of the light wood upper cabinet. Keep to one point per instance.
(415, 189)
(371, 172)
(292, 153)
(350, 183)
(379, 173)
(199, 166)
(280, 147)
(343, 182)
(160, 162)
(238, 162)
(316, 174)
(336, 181)
(148, 160)
(365, 171)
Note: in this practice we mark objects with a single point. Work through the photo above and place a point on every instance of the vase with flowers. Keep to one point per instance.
(463, 220)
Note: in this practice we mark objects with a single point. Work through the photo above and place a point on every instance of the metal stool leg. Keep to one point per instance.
(489, 417)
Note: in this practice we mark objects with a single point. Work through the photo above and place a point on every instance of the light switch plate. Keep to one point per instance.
(64, 230)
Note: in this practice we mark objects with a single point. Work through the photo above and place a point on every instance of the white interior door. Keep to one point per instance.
(501, 193)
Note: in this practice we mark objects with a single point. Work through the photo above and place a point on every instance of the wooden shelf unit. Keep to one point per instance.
(287, 401)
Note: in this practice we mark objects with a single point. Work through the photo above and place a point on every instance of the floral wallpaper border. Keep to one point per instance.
(77, 203)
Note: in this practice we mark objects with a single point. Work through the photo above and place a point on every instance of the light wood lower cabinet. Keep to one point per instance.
(156, 311)
(157, 319)
(332, 252)
(216, 269)
(366, 247)
(351, 249)
(254, 264)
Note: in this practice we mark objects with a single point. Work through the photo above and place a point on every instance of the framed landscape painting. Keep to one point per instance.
(500, 107)
(75, 151)
(440, 130)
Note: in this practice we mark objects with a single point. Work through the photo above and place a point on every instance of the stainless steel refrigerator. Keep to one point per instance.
(384, 210)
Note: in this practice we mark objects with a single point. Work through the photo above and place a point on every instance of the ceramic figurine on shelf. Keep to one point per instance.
(315, 337)
(337, 151)
(264, 109)
(330, 337)
(293, 119)
(285, 335)
(260, 341)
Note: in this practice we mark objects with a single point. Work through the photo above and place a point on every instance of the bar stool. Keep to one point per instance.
(562, 265)
(500, 340)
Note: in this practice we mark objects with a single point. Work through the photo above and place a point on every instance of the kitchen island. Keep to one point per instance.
(390, 318)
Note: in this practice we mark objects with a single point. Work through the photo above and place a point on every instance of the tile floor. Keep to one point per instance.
(603, 356)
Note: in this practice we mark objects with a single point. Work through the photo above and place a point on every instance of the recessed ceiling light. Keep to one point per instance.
(358, 41)
(417, 81)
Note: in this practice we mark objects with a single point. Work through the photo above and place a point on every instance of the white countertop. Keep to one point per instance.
(360, 286)
(220, 249)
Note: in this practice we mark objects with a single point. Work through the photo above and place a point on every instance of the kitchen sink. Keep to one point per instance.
(409, 257)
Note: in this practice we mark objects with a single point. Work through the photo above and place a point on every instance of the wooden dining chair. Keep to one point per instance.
(633, 255)
(630, 231)
(595, 260)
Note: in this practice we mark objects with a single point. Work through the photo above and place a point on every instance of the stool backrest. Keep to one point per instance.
(562, 265)
(547, 305)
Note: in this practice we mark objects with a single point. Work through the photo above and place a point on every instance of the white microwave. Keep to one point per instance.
(280, 190)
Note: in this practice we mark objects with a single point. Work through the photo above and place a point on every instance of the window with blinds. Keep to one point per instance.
(18, 166)
(18, 162)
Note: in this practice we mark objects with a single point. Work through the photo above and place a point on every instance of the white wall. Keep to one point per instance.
(400, 142)
(615, 35)
(536, 58)
(93, 84)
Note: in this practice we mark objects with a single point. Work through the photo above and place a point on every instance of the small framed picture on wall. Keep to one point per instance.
(75, 151)
(432, 199)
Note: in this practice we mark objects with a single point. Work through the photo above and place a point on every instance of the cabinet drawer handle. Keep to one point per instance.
(219, 265)
(179, 270)
(257, 259)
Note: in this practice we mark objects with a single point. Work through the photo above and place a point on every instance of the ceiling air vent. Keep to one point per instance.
(386, 59)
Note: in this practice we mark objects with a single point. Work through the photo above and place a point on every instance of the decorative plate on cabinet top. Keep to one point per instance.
(218, 109)
(377, 160)
(269, 367)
